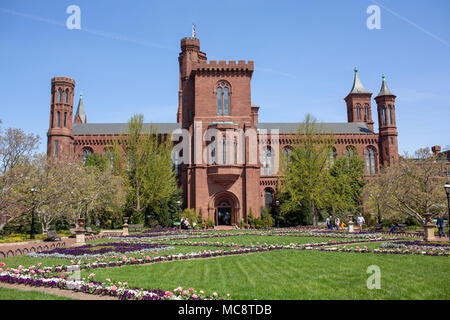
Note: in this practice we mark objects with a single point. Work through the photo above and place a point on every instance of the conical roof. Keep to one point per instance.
(384, 89)
(357, 85)
(80, 110)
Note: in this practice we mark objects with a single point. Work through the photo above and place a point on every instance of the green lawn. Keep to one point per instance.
(13, 294)
(295, 275)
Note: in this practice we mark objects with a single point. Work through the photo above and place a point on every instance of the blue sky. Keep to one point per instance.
(124, 60)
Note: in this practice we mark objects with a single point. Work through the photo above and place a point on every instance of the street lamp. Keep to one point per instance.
(33, 192)
(447, 191)
(277, 203)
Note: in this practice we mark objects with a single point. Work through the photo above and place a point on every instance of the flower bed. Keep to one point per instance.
(98, 250)
(119, 290)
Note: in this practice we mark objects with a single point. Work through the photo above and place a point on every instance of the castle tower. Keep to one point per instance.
(59, 135)
(189, 57)
(358, 103)
(387, 125)
(80, 115)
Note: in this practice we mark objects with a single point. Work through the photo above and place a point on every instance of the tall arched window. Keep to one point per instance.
(223, 99)
(350, 151)
(390, 115)
(58, 119)
(287, 154)
(59, 95)
(370, 161)
(268, 198)
(267, 161)
(384, 114)
(109, 155)
(66, 99)
(358, 112)
(65, 119)
(331, 157)
(86, 152)
(366, 112)
(212, 151)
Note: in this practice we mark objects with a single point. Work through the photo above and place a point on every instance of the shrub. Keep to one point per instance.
(209, 223)
(190, 215)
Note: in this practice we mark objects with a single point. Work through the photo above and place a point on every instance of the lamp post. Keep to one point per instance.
(33, 192)
(447, 191)
(277, 203)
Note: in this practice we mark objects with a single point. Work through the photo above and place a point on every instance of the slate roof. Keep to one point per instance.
(166, 128)
(357, 85)
(330, 127)
(384, 89)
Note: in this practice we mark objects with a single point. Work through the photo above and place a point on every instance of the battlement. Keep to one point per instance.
(226, 65)
(189, 42)
(63, 80)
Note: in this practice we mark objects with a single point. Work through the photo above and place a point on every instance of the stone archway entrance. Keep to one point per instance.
(225, 209)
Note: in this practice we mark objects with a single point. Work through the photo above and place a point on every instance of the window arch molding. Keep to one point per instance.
(86, 151)
(223, 93)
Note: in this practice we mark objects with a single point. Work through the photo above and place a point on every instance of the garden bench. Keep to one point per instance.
(135, 227)
(52, 236)
(89, 230)
(378, 227)
(177, 224)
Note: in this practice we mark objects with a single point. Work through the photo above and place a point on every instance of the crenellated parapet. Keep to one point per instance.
(225, 66)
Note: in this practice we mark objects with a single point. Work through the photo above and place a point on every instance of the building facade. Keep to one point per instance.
(227, 161)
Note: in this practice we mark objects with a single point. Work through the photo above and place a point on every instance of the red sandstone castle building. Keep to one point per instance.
(221, 177)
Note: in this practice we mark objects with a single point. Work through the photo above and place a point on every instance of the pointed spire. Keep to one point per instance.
(80, 116)
(384, 88)
(357, 85)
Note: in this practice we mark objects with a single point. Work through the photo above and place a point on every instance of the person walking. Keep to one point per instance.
(337, 223)
(360, 222)
(328, 222)
(331, 222)
(440, 225)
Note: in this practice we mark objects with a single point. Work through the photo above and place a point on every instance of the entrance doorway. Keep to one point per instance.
(224, 215)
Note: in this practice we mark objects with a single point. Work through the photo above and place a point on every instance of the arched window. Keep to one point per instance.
(366, 112)
(331, 157)
(350, 151)
(65, 119)
(384, 114)
(267, 161)
(268, 198)
(224, 151)
(86, 152)
(370, 161)
(358, 112)
(390, 115)
(287, 154)
(223, 99)
(58, 119)
(66, 99)
(59, 95)
(109, 155)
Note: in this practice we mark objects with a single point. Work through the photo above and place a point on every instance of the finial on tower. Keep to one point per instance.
(357, 85)
(356, 69)
(384, 91)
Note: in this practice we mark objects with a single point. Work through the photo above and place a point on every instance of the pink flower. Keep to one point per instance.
(194, 296)
(113, 288)
(91, 275)
(191, 289)
(62, 276)
(2, 264)
(1, 270)
(108, 280)
(168, 293)
(40, 270)
(19, 267)
(185, 293)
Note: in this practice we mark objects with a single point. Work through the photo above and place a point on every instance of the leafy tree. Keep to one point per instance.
(346, 185)
(96, 160)
(305, 175)
(410, 188)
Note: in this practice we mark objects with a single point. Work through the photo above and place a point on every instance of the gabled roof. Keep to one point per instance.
(80, 110)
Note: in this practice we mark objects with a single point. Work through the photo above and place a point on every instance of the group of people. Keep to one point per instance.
(185, 223)
(338, 224)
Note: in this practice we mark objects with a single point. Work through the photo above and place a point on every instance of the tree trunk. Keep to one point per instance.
(313, 212)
